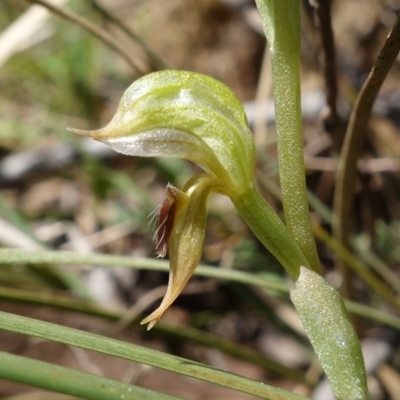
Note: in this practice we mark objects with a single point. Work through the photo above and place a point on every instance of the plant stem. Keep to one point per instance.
(281, 21)
(271, 231)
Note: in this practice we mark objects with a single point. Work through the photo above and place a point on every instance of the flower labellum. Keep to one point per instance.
(181, 230)
(165, 220)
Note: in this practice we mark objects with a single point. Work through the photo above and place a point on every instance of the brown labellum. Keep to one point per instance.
(165, 221)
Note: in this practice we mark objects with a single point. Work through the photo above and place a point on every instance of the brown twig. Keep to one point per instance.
(330, 118)
(105, 37)
(156, 61)
(356, 130)
(331, 121)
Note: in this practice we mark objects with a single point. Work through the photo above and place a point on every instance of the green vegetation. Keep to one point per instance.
(70, 207)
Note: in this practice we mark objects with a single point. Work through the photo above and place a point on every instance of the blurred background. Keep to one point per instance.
(63, 192)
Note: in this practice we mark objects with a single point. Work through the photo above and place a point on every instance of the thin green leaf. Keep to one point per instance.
(13, 256)
(17, 257)
(69, 381)
(182, 332)
(101, 344)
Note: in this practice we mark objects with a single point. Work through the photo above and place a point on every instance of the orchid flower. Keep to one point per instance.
(192, 116)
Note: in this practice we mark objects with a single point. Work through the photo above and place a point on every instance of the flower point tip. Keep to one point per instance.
(152, 319)
(96, 134)
(78, 131)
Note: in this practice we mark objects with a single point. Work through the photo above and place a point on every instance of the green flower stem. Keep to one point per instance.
(329, 331)
(281, 22)
(270, 230)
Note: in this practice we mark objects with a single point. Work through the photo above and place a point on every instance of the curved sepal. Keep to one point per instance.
(187, 115)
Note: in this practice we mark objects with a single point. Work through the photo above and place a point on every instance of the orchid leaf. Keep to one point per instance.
(325, 321)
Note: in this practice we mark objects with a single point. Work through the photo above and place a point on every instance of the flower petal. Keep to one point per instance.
(187, 115)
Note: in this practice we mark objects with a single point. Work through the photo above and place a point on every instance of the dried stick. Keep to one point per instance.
(330, 118)
(356, 130)
(105, 37)
(155, 59)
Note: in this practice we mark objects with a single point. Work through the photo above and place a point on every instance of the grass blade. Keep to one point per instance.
(69, 381)
(101, 344)
(14, 256)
